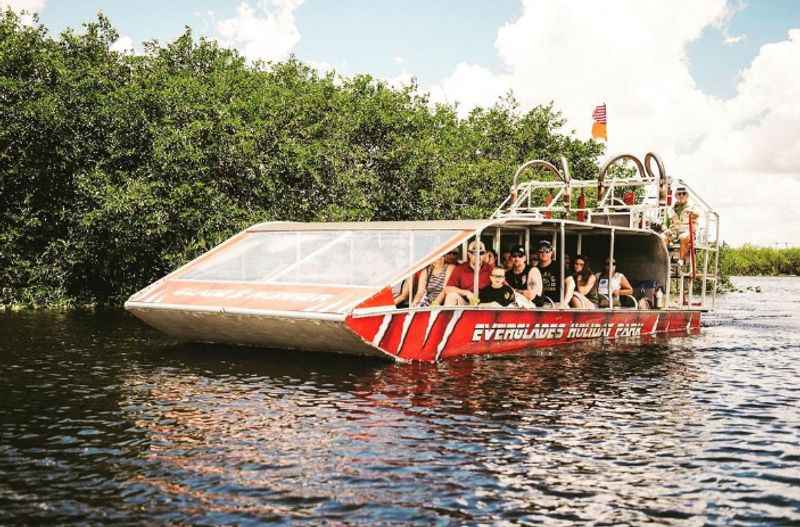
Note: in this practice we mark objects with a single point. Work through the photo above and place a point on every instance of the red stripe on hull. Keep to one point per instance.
(429, 336)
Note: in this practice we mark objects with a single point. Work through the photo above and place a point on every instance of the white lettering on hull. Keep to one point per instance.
(498, 332)
(605, 330)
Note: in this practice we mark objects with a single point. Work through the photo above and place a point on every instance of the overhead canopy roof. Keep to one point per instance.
(433, 225)
(463, 225)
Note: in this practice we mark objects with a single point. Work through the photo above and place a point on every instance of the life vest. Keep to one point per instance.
(581, 215)
(547, 201)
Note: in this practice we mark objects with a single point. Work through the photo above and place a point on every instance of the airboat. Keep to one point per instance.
(327, 287)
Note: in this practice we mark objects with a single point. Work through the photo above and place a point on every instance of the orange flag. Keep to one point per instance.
(599, 130)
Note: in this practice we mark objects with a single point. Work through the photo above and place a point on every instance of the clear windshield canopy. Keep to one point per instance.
(346, 258)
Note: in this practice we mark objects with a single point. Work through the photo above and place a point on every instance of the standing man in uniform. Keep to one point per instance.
(679, 217)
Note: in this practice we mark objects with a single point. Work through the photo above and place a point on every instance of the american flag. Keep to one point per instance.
(599, 113)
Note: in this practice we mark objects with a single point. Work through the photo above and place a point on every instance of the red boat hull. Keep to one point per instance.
(444, 333)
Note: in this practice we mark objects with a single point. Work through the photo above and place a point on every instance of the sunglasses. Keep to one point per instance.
(497, 275)
(517, 255)
(681, 193)
(477, 252)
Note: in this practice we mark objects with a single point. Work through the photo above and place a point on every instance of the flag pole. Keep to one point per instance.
(608, 149)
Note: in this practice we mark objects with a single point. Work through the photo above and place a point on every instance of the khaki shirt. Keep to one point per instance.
(679, 219)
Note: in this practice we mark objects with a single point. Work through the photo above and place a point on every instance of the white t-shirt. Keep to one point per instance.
(602, 283)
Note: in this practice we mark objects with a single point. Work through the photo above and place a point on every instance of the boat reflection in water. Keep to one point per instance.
(273, 439)
(329, 286)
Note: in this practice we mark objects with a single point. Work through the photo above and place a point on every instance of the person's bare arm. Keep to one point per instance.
(404, 291)
(587, 288)
(674, 222)
(625, 286)
(422, 287)
(534, 284)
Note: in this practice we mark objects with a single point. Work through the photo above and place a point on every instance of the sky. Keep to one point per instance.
(711, 85)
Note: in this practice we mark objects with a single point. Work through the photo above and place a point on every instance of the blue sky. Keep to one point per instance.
(358, 36)
(354, 36)
(716, 66)
(711, 85)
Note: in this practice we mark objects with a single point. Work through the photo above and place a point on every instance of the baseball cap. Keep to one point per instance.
(544, 244)
(476, 246)
(518, 250)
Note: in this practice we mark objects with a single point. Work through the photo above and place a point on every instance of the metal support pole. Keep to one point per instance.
(611, 269)
(528, 245)
(705, 261)
(579, 250)
(668, 281)
(716, 260)
(410, 263)
(476, 267)
(563, 249)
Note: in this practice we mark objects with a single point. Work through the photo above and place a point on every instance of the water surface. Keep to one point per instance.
(105, 420)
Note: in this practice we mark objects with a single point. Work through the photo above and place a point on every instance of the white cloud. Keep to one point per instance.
(26, 6)
(264, 32)
(470, 86)
(31, 6)
(730, 40)
(401, 80)
(632, 54)
(124, 44)
(322, 67)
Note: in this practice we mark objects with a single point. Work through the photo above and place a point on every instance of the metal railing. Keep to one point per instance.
(641, 201)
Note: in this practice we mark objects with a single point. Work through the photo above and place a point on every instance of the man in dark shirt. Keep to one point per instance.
(497, 291)
(522, 276)
(550, 275)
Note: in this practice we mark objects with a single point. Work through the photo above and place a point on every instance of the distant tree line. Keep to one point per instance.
(116, 168)
(748, 260)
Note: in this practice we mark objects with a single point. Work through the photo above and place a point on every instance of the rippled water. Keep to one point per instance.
(104, 420)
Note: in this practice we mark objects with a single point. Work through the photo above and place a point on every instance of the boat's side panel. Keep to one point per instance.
(247, 295)
(443, 333)
(270, 331)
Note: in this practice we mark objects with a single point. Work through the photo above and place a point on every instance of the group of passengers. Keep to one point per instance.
(519, 283)
(536, 282)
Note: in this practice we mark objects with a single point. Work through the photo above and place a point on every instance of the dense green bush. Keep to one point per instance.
(116, 168)
(749, 261)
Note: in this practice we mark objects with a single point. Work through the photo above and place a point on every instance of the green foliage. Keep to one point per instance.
(748, 260)
(116, 168)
